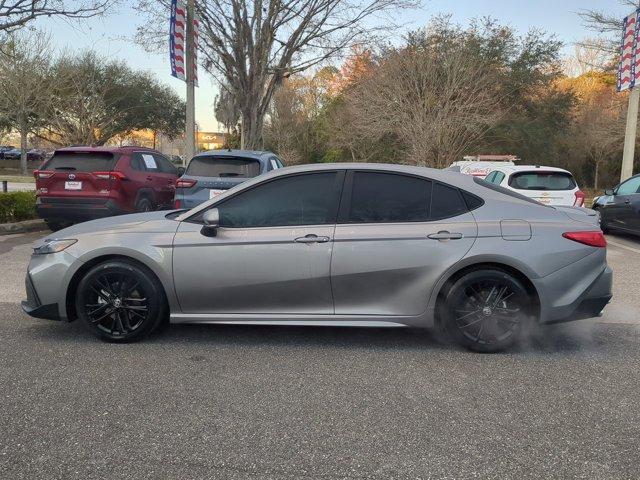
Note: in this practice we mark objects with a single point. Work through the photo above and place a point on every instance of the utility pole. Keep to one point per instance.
(630, 135)
(190, 130)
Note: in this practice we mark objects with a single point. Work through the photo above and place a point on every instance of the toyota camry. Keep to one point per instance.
(335, 245)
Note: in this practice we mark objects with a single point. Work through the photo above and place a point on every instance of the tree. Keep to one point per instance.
(446, 92)
(94, 100)
(16, 13)
(606, 24)
(226, 110)
(253, 45)
(25, 86)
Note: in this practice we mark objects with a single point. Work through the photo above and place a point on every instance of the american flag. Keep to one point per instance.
(629, 52)
(177, 40)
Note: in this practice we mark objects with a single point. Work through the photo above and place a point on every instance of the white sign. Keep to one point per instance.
(149, 161)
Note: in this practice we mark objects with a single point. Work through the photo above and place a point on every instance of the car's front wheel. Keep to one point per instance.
(120, 301)
(486, 310)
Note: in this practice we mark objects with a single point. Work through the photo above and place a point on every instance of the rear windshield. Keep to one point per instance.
(542, 181)
(234, 167)
(81, 162)
(506, 191)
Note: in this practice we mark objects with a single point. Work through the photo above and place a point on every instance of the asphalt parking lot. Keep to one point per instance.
(292, 403)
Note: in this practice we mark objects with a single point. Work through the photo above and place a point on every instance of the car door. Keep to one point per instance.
(622, 209)
(166, 181)
(271, 254)
(396, 235)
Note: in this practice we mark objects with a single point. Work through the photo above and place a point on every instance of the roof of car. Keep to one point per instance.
(125, 149)
(528, 168)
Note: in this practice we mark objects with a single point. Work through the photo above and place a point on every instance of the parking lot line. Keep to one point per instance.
(622, 245)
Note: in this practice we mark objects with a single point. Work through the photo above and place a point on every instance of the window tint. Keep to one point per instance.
(446, 202)
(489, 178)
(497, 180)
(629, 187)
(541, 180)
(387, 197)
(165, 165)
(81, 162)
(309, 199)
(136, 163)
(221, 166)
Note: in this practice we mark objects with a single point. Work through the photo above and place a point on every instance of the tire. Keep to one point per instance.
(55, 226)
(144, 205)
(487, 310)
(120, 301)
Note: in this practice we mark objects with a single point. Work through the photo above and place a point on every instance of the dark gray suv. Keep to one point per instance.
(213, 172)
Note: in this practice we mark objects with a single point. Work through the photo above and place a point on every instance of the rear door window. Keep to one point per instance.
(446, 202)
(222, 166)
(541, 180)
(165, 165)
(81, 162)
(387, 197)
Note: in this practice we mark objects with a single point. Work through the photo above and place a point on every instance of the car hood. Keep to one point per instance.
(149, 222)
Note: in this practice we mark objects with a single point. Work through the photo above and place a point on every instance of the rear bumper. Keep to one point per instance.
(588, 304)
(76, 209)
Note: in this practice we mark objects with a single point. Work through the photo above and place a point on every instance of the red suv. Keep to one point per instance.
(84, 183)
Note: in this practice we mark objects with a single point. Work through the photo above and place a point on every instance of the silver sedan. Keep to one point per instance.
(339, 245)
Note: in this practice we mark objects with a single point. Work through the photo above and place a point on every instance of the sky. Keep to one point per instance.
(108, 35)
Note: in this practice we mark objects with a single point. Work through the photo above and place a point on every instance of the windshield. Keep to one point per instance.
(541, 180)
(81, 162)
(234, 167)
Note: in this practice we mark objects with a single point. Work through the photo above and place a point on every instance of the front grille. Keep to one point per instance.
(32, 296)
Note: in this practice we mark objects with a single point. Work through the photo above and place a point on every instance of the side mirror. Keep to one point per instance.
(181, 171)
(609, 191)
(211, 220)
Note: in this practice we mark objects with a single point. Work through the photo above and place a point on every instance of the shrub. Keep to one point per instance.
(17, 206)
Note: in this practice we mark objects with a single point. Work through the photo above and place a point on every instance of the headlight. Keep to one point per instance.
(53, 246)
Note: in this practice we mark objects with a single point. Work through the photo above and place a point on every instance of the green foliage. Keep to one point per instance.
(17, 206)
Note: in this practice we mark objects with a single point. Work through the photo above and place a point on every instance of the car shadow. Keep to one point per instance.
(584, 336)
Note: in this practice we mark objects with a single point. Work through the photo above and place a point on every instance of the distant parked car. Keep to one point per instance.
(12, 154)
(620, 207)
(36, 155)
(84, 183)
(547, 185)
(4, 148)
(213, 172)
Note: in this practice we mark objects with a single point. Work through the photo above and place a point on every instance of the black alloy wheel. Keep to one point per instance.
(120, 301)
(487, 310)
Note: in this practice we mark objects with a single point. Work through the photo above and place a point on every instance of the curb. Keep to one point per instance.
(22, 227)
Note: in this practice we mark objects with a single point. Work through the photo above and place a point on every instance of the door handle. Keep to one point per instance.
(149, 178)
(445, 235)
(312, 238)
(626, 200)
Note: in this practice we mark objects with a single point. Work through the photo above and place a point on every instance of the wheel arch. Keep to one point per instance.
(448, 280)
(72, 287)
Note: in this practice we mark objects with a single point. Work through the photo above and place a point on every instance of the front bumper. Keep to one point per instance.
(32, 305)
(76, 209)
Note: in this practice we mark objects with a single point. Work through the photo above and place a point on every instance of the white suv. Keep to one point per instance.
(548, 185)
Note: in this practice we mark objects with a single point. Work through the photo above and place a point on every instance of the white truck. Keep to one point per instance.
(481, 165)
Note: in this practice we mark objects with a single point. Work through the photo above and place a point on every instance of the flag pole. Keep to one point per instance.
(190, 124)
(630, 135)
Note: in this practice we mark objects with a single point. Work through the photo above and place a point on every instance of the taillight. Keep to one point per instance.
(185, 183)
(109, 175)
(593, 239)
(42, 174)
(176, 204)
(579, 202)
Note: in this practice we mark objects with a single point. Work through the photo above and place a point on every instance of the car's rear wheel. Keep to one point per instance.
(120, 301)
(487, 310)
(144, 205)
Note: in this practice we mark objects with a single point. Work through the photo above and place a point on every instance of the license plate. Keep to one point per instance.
(73, 185)
(215, 193)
